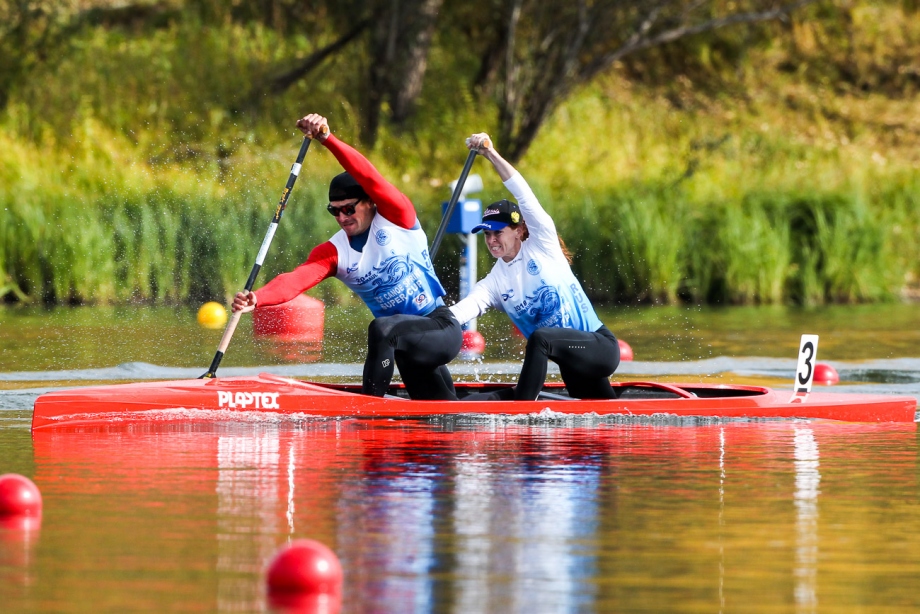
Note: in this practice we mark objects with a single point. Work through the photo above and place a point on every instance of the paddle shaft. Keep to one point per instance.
(451, 204)
(269, 235)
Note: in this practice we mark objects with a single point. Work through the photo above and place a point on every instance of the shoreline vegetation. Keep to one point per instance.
(126, 175)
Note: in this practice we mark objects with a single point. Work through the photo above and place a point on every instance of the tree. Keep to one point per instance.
(34, 32)
(30, 30)
(398, 60)
(397, 35)
(546, 50)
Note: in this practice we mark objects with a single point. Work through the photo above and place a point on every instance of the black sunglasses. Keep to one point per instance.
(348, 209)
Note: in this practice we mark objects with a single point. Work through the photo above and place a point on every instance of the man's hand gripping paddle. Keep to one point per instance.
(452, 203)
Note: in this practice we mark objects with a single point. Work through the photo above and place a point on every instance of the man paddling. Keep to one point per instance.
(381, 253)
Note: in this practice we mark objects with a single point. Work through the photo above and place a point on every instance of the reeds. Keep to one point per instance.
(95, 233)
(177, 238)
(767, 249)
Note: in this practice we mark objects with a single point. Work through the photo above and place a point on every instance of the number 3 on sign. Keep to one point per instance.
(808, 355)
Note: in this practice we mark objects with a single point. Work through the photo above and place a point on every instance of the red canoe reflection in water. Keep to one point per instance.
(499, 517)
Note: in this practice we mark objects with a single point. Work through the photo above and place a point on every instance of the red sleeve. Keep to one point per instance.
(323, 262)
(391, 203)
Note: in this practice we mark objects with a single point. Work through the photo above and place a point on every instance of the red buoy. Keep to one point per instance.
(305, 567)
(300, 319)
(825, 374)
(474, 344)
(294, 329)
(626, 352)
(19, 496)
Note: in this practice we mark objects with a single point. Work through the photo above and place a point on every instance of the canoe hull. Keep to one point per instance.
(232, 398)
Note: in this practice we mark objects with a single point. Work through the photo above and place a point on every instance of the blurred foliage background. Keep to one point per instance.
(722, 152)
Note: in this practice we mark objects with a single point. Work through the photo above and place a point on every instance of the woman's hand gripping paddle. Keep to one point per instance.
(276, 218)
(452, 203)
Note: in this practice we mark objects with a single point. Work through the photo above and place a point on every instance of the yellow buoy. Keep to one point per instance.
(212, 315)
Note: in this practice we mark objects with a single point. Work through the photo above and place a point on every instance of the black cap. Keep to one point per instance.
(498, 215)
(343, 186)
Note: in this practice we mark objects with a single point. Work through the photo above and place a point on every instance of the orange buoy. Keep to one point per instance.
(304, 567)
(825, 374)
(19, 496)
(626, 352)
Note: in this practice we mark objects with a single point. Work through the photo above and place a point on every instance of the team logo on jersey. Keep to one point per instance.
(421, 299)
(352, 268)
(508, 295)
(391, 272)
(544, 303)
(533, 267)
(382, 237)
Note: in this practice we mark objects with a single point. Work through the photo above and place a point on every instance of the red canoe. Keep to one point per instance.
(248, 397)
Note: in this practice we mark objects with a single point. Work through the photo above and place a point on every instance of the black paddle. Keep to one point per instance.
(452, 203)
(234, 320)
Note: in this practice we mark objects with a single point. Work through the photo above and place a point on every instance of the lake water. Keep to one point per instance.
(468, 515)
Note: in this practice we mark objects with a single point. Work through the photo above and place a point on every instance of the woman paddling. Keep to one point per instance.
(381, 253)
(533, 283)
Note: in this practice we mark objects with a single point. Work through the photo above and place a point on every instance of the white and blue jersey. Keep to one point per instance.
(537, 288)
(393, 273)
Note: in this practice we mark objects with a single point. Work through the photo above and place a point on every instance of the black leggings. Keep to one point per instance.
(420, 346)
(586, 361)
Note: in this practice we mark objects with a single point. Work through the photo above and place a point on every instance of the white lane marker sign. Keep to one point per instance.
(808, 356)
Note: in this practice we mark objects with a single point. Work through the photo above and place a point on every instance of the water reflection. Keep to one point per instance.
(501, 518)
(247, 521)
(18, 541)
(721, 519)
(386, 533)
(532, 526)
(807, 479)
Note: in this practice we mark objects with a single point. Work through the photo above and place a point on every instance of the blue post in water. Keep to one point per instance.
(466, 216)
